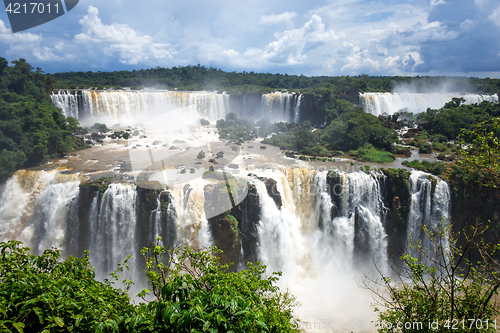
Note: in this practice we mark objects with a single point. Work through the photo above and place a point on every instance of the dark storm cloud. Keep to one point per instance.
(476, 47)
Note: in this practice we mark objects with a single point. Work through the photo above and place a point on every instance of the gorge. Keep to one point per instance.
(324, 227)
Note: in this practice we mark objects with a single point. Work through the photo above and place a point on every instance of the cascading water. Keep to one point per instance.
(192, 224)
(390, 103)
(280, 106)
(325, 234)
(34, 207)
(429, 207)
(113, 232)
(122, 104)
(67, 101)
(319, 251)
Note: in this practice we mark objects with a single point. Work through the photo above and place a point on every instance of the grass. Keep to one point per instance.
(374, 155)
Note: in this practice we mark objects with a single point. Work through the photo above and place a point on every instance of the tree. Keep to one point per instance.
(195, 293)
(480, 153)
(443, 291)
(44, 294)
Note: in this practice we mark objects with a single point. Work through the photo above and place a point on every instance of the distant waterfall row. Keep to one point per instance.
(120, 105)
(390, 103)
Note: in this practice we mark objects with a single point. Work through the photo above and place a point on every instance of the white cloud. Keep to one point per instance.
(288, 48)
(291, 43)
(286, 17)
(437, 2)
(481, 3)
(133, 48)
(467, 25)
(430, 32)
(495, 16)
(45, 54)
(7, 36)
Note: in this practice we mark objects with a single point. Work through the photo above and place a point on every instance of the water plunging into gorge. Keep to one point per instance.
(390, 103)
(212, 106)
(322, 229)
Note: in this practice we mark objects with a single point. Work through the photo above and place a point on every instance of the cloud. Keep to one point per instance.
(336, 38)
(467, 25)
(289, 46)
(45, 54)
(286, 17)
(495, 16)
(437, 2)
(6, 36)
(132, 47)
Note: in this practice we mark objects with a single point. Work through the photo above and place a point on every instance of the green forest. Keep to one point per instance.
(202, 78)
(32, 129)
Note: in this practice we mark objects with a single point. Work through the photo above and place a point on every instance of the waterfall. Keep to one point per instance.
(67, 101)
(118, 105)
(320, 253)
(390, 103)
(280, 106)
(428, 207)
(122, 106)
(113, 232)
(296, 109)
(34, 206)
(191, 221)
(323, 229)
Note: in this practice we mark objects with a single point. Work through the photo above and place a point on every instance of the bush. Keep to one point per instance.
(435, 168)
(438, 285)
(42, 293)
(374, 155)
(195, 293)
(425, 149)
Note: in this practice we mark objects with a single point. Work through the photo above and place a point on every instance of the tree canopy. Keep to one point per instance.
(32, 129)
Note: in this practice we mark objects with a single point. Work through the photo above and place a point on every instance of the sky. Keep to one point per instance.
(339, 37)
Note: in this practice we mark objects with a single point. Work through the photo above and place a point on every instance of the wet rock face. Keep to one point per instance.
(224, 230)
(248, 215)
(235, 230)
(272, 190)
(397, 200)
(335, 190)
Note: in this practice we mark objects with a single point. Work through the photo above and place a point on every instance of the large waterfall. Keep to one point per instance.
(390, 103)
(323, 229)
(122, 104)
(139, 105)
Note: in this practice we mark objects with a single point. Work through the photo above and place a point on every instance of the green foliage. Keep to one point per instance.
(455, 116)
(444, 287)
(480, 153)
(32, 129)
(194, 293)
(353, 130)
(203, 78)
(235, 129)
(435, 168)
(44, 294)
(100, 185)
(204, 122)
(369, 153)
(303, 141)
